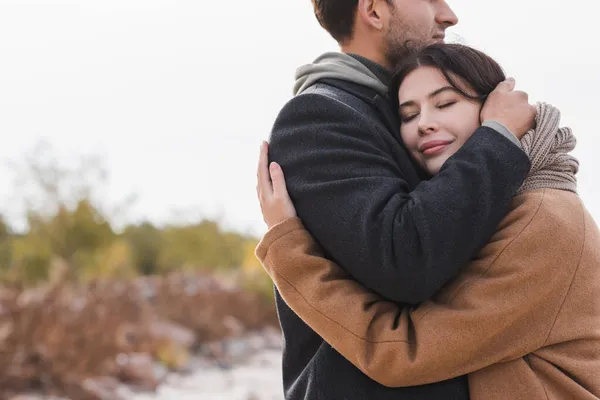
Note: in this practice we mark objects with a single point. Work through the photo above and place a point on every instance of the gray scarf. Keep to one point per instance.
(548, 147)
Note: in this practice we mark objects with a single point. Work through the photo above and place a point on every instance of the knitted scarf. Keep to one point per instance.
(548, 147)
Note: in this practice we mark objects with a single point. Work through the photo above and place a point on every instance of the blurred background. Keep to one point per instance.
(128, 216)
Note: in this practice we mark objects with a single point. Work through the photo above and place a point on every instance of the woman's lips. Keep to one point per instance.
(434, 147)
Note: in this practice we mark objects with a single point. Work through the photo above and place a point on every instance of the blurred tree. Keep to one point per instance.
(68, 224)
(114, 261)
(31, 258)
(5, 245)
(65, 214)
(71, 231)
(201, 245)
(44, 183)
(146, 242)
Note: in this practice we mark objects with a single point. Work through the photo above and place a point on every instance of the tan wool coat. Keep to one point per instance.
(522, 320)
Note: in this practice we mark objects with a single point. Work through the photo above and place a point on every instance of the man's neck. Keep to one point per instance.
(366, 51)
(379, 71)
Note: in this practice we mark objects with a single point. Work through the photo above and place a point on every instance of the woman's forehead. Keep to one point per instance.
(421, 82)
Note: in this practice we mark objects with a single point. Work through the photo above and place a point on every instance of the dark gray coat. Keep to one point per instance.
(360, 195)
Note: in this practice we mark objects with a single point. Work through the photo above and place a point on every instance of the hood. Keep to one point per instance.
(337, 66)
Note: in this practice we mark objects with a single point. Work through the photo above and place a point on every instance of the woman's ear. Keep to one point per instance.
(370, 13)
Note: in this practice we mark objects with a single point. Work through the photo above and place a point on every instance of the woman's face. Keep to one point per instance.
(436, 119)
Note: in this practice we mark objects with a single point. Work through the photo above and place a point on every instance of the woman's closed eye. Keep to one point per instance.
(408, 117)
(446, 104)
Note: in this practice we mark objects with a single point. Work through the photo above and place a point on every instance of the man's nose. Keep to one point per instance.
(445, 16)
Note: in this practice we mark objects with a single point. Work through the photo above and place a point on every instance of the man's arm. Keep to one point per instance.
(402, 242)
(501, 308)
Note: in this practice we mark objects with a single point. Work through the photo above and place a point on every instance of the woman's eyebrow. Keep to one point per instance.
(441, 90)
(430, 95)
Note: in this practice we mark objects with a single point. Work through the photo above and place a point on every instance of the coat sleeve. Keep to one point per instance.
(401, 241)
(500, 308)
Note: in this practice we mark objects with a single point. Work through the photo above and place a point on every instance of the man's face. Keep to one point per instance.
(416, 23)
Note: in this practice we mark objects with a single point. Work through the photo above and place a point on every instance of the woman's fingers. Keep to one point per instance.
(264, 187)
(279, 207)
(275, 202)
(278, 179)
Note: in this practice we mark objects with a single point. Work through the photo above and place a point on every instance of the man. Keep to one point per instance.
(358, 192)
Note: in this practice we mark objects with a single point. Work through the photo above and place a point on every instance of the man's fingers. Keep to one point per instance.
(264, 182)
(506, 85)
(278, 179)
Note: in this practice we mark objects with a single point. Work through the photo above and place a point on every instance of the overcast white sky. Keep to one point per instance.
(178, 94)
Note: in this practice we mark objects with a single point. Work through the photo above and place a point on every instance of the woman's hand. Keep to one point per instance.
(275, 201)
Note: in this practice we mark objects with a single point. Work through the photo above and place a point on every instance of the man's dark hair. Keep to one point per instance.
(337, 17)
(475, 68)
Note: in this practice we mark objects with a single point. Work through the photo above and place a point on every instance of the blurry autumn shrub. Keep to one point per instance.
(68, 219)
(254, 277)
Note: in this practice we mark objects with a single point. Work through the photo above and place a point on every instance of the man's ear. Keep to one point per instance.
(370, 12)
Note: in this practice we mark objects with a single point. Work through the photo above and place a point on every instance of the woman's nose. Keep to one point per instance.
(427, 127)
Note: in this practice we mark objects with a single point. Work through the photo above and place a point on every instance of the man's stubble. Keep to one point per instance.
(402, 38)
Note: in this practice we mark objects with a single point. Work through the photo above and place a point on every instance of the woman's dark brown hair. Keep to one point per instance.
(478, 70)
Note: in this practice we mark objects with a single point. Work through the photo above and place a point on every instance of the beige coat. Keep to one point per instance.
(523, 319)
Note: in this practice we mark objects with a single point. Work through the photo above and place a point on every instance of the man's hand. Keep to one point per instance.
(510, 107)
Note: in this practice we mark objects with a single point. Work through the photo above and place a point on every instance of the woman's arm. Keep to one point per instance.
(500, 308)
(357, 194)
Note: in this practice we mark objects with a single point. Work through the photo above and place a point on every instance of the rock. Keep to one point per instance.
(273, 338)
(138, 370)
(104, 388)
(235, 327)
(165, 330)
(92, 388)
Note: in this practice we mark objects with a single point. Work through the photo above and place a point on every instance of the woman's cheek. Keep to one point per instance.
(409, 135)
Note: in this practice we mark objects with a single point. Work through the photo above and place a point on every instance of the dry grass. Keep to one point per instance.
(81, 341)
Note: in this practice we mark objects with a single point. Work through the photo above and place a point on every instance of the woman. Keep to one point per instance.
(523, 319)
